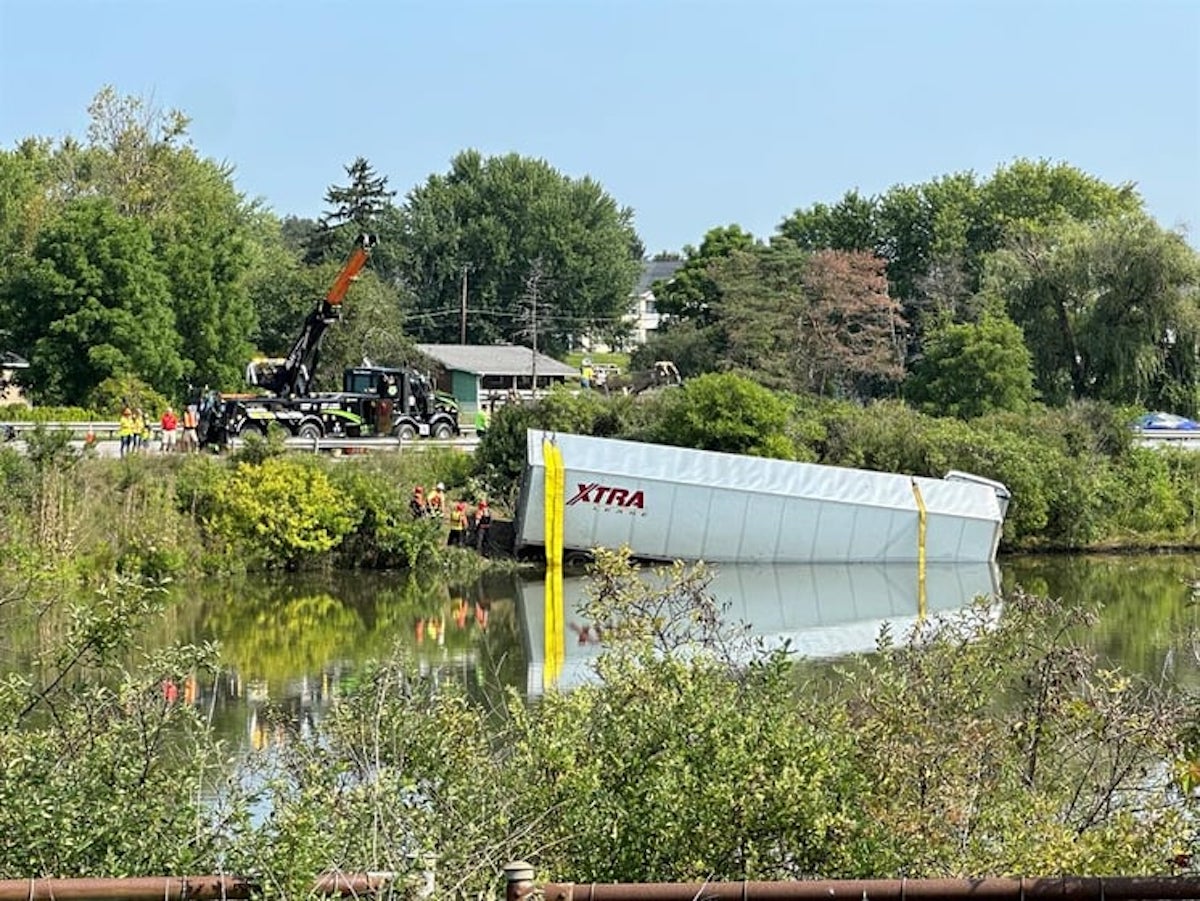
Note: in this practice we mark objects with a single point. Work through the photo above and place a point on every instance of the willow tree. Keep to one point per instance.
(1110, 310)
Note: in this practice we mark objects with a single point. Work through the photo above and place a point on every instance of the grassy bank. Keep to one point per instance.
(259, 509)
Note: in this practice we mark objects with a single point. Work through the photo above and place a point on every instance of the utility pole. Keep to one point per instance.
(462, 334)
(531, 297)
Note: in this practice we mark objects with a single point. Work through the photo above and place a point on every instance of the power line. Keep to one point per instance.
(509, 314)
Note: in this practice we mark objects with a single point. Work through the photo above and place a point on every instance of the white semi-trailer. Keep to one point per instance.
(672, 503)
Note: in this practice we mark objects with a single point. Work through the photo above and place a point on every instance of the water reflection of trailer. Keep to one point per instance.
(822, 610)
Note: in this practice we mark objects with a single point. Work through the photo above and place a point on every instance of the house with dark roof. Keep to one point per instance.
(491, 374)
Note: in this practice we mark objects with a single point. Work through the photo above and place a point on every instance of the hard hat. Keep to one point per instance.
(441, 487)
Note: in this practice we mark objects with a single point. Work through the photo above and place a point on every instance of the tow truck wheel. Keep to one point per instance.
(406, 431)
(310, 430)
(443, 432)
(251, 427)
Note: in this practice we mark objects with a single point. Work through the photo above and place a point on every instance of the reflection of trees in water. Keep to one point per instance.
(1148, 619)
(276, 631)
(293, 644)
(272, 637)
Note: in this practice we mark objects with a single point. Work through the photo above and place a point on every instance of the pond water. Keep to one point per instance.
(295, 642)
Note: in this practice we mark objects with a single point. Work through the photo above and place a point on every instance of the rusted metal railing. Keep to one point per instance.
(178, 888)
(520, 878)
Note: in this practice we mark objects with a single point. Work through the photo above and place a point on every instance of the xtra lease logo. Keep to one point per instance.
(608, 495)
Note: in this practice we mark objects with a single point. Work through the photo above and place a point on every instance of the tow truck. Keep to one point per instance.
(374, 401)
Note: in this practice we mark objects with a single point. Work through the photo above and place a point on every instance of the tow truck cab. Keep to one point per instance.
(407, 404)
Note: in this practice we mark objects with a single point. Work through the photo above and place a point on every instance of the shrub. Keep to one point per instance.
(117, 392)
(387, 536)
(282, 512)
(1142, 495)
(723, 412)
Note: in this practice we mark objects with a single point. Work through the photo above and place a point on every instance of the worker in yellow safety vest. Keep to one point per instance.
(127, 428)
(437, 500)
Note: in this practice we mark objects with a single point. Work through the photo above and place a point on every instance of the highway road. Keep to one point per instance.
(111, 447)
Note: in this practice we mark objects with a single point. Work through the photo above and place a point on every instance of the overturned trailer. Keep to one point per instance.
(672, 503)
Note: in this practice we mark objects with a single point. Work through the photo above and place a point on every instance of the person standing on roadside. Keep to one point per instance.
(191, 421)
(482, 420)
(168, 424)
(126, 429)
(142, 425)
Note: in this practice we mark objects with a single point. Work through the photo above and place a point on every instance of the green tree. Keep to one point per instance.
(759, 302)
(296, 232)
(723, 412)
(205, 248)
(140, 159)
(489, 218)
(693, 349)
(351, 210)
(972, 368)
(850, 224)
(131, 153)
(92, 303)
(691, 294)
(282, 289)
(24, 202)
(370, 329)
(935, 235)
(800, 321)
(1109, 310)
(1042, 193)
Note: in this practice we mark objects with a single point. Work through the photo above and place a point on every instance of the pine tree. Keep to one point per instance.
(359, 204)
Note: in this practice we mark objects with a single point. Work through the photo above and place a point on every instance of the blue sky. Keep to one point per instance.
(695, 113)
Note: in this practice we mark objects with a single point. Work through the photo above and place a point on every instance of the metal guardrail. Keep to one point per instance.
(104, 430)
(181, 888)
(316, 445)
(97, 427)
(519, 877)
(1188, 439)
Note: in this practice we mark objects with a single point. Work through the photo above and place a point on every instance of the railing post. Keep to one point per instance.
(519, 878)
